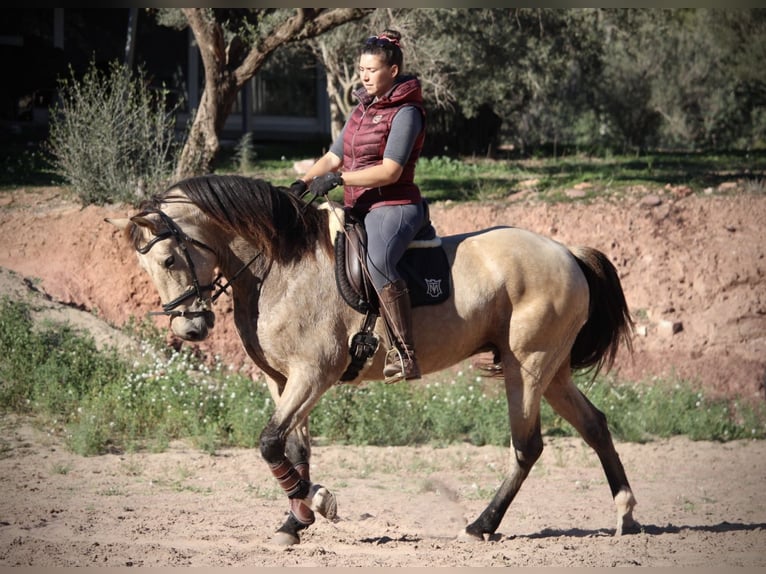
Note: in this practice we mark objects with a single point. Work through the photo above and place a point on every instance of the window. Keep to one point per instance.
(287, 84)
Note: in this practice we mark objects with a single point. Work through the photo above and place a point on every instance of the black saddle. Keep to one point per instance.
(424, 266)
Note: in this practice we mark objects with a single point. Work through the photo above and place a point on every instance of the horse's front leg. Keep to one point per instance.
(287, 431)
(300, 516)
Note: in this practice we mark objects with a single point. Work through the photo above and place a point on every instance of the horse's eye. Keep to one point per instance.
(169, 262)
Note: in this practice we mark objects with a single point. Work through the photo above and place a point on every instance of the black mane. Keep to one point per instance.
(279, 224)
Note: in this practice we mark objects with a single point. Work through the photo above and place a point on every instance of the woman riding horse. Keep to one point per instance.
(540, 308)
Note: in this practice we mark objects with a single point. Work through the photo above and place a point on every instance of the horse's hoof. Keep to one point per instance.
(285, 539)
(466, 536)
(322, 501)
(627, 526)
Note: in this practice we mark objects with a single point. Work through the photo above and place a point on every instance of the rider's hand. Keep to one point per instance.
(298, 188)
(322, 184)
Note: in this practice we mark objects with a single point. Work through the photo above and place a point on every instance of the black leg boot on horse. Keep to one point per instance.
(396, 308)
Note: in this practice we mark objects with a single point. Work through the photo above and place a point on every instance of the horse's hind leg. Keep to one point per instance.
(526, 446)
(567, 400)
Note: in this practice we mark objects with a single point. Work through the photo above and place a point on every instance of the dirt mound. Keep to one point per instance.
(693, 269)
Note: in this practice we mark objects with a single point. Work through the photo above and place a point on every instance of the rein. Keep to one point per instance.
(196, 289)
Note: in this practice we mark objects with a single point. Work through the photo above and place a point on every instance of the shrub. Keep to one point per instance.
(111, 136)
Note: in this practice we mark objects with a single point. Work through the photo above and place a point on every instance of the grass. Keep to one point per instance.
(443, 178)
(100, 402)
(25, 162)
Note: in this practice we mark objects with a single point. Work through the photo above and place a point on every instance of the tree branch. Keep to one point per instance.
(306, 23)
(210, 41)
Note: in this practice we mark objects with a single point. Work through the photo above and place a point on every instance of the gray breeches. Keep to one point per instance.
(390, 229)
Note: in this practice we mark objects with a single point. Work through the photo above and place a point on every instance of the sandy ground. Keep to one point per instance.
(700, 504)
(694, 260)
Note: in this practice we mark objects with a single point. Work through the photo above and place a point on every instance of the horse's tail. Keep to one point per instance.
(609, 322)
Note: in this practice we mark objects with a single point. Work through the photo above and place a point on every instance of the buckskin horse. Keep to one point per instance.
(540, 308)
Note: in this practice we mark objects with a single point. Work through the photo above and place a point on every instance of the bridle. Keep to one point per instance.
(196, 290)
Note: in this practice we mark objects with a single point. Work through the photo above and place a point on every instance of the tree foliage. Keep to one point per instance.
(234, 44)
(531, 78)
(622, 79)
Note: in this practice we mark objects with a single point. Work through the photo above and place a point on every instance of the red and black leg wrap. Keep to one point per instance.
(289, 479)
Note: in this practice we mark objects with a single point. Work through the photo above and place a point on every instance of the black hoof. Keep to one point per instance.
(287, 534)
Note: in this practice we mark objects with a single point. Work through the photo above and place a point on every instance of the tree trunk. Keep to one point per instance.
(229, 67)
(202, 143)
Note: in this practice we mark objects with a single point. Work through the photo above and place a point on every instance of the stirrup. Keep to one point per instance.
(393, 355)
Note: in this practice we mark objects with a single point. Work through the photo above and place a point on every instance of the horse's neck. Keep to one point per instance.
(256, 274)
(243, 266)
(336, 218)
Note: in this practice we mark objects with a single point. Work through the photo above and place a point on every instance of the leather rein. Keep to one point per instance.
(196, 290)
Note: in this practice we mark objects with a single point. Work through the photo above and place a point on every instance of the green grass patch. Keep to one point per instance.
(461, 179)
(443, 178)
(100, 402)
(469, 408)
(25, 161)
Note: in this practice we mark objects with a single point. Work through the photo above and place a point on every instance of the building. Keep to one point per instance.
(287, 100)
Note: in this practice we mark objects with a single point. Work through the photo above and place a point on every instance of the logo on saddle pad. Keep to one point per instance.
(433, 287)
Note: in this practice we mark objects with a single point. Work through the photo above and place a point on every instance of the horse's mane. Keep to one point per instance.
(278, 223)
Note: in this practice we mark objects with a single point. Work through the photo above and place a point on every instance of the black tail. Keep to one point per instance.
(609, 322)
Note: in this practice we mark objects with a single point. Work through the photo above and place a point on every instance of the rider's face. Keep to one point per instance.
(377, 77)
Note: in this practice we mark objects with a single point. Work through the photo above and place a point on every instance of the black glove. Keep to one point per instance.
(298, 188)
(322, 184)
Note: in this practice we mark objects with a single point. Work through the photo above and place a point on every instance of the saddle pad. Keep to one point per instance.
(427, 272)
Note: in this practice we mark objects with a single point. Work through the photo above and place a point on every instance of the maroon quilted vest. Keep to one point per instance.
(365, 140)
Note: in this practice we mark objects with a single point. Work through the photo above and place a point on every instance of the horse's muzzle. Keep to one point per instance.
(194, 326)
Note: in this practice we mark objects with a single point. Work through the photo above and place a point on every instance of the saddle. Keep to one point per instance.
(424, 266)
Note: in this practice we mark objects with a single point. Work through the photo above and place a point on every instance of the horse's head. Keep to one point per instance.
(182, 267)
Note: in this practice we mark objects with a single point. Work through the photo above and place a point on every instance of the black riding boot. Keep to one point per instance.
(397, 311)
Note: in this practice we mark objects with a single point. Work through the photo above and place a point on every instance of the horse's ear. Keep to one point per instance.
(119, 222)
(152, 221)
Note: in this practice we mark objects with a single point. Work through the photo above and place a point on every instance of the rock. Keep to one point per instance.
(682, 190)
(727, 186)
(667, 328)
(528, 183)
(575, 193)
(651, 201)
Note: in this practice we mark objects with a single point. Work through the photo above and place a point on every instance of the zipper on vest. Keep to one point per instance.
(353, 137)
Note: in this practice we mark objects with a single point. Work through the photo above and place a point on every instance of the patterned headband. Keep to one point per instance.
(381, 40)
